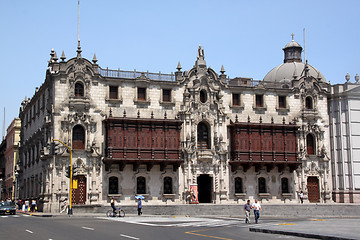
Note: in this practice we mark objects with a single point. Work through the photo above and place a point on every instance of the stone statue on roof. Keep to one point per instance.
(200, 53)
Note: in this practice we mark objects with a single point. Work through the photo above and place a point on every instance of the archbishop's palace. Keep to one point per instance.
(165, 135)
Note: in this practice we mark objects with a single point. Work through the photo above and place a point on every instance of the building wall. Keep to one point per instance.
(43, 176)
(344, 111)
(11, 158)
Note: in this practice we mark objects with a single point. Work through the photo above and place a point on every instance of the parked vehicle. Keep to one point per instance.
(7, 208)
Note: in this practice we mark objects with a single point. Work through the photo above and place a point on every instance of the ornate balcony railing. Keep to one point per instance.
(135, 74)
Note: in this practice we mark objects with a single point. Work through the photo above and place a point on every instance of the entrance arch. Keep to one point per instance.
(204, 182)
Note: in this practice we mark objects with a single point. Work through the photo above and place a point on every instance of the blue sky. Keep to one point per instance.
(246, 37)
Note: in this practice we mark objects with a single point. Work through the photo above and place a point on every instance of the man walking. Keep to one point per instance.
(139, 205)
(247, 208)
(64, 206)
(301, 196)
(257, 208)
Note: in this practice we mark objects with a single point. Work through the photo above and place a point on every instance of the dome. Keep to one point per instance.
(293, 67)
(291, 70)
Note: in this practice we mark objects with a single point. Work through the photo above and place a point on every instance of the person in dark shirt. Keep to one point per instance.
(247, 208)
(139, 205)
(112, 203)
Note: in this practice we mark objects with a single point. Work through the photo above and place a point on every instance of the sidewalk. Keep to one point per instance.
(318, 228)
(329, 228)
(76, 214)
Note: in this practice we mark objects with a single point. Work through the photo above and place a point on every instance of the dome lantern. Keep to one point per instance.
(292, 51)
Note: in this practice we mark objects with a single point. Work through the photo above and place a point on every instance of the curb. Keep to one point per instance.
(298, 234)
(41, 215)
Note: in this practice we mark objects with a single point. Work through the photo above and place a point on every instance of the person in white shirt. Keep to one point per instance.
(64, 206)
(301, 196)
(257, 208)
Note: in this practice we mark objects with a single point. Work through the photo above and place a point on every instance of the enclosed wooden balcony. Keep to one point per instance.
(142, 141)
(263, 145)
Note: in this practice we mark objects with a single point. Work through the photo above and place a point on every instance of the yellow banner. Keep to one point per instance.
(74, 183)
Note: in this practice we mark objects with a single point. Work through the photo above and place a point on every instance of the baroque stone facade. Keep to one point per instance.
(166, 135)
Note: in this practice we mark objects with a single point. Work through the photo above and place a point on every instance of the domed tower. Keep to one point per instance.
(308, 106)
(293, 67)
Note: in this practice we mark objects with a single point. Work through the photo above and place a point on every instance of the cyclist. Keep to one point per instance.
(112, 203)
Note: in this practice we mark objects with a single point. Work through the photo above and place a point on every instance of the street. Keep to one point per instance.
(133, 227)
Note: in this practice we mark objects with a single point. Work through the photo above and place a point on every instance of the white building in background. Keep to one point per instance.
(344, 113)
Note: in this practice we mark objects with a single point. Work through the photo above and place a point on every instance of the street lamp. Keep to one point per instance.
(1, 180)
(16, 185)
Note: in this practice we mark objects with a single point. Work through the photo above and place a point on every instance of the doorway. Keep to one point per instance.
(79, 193)
(204, 182)
(313, 189)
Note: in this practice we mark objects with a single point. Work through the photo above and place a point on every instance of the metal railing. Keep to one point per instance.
(135, 74)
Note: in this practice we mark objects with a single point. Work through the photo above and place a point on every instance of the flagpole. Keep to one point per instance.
(78, 20)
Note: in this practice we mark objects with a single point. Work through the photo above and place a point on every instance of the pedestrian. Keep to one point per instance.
(64, 206)
(18, 203)
(247, 208)
(33, 205)
(139, 206)
(257, 208)
(23, 207)
(301, 196)
(27, 206)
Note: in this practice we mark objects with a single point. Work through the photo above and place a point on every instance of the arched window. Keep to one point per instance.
(203, 136)
(309, 103)
(262, 185)
(140, 185)
(79, 89)
(113, 185)
(238, 185)
(168, 187)
(203, 96)
(78, 137)
(285, 185)
(310, 144)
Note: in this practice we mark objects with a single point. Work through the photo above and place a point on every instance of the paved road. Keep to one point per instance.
(176, 228)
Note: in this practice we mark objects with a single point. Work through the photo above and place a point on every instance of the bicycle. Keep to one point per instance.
(118, 213)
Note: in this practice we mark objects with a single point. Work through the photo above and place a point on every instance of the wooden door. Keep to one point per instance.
(79, 194)
(313, 189)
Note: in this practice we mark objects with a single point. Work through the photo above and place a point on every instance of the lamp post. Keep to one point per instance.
(1, 180)
(71, 169)
(16, 185)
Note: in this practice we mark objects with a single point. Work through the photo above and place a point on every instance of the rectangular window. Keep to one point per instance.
(166, 95)
(282, 102)
(259, 100)
(113, 92)
(236, 99)
(43, 101)
(141, 94)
